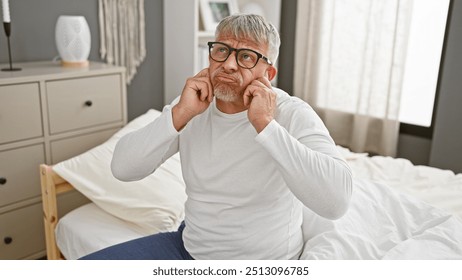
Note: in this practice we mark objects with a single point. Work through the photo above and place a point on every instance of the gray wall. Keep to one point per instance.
(286, 53)
(446, 150)
(32, 39)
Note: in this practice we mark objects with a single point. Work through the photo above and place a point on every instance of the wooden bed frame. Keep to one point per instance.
(52, 185)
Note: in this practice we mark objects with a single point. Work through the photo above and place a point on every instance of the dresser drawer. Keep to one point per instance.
(84, 102)
(19, 169)
(22, 232)
(69, 147)
(20, 114)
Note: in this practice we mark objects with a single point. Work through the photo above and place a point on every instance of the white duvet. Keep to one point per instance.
(383, 224)
(438, 187)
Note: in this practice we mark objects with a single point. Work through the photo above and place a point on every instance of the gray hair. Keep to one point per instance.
(253, 27)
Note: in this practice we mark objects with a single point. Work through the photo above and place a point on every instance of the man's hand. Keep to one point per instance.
(260, 99)
(195, 99)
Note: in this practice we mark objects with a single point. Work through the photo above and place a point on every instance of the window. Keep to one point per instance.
(423, 57)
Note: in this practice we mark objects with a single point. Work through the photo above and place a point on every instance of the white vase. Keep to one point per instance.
(73, 40)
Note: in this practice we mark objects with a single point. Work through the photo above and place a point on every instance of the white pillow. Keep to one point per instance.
(154, 204)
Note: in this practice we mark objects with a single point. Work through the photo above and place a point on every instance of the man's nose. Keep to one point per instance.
(231, 62)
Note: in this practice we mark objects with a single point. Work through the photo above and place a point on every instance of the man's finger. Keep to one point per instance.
(204, 76)
(203, 73)
(265, 81)
(247, 97)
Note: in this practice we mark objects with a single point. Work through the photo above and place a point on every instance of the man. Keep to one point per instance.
(252, 157)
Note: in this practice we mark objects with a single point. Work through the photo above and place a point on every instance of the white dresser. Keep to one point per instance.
(47, 114)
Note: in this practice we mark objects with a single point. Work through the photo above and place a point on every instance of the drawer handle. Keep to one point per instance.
(7, 240)
(88, 103)
(2, 180)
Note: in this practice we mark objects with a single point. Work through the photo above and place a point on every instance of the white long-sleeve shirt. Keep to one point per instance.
(245, 190)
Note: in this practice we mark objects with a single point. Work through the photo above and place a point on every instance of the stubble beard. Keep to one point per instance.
(225, 93)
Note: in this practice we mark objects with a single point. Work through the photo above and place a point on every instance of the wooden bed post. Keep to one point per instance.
(52, 184)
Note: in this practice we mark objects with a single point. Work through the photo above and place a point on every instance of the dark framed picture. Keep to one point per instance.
(213, 11)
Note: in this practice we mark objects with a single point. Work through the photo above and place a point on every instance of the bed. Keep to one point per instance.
(398, 210)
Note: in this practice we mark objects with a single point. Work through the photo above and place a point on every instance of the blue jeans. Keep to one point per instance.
(160, 246)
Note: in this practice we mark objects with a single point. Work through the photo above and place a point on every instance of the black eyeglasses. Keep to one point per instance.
(245, 58)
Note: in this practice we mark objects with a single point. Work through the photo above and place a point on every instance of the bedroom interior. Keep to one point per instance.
(423, 181)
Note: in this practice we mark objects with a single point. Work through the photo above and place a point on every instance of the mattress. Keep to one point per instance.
(88, 229)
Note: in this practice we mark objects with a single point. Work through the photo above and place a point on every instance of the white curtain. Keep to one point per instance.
(349, 65)
(122, 33)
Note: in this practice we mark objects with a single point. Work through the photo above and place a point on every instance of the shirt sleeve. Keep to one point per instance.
(139, 153)
(310, 163)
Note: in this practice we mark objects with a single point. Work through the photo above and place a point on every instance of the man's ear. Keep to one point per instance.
(271, 72)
